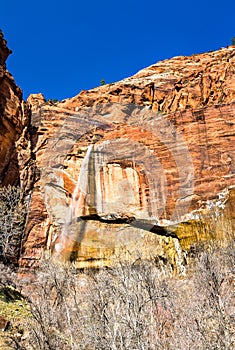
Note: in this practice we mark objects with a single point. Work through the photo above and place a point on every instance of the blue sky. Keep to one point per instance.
(63, 47)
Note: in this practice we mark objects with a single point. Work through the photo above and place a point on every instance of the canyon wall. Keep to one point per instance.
(12, 120)
(132, 166)
(144, 166)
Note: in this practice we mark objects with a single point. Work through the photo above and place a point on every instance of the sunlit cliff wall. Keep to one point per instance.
(12, 120)
(144, 166)
(132, 165)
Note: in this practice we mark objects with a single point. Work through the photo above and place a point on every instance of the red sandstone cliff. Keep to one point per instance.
(129, 165)
(12, 120)
(139, 155)
(171, 85)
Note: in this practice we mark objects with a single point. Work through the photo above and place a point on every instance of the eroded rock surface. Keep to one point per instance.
(127, 164)
(171, 85)
(12, 120)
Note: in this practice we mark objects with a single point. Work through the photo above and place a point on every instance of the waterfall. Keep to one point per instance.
(83, 185)
(77, 205)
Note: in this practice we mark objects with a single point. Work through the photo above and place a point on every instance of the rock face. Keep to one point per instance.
(12, 120)
(176, 84)
(128, 166)
(131, 166)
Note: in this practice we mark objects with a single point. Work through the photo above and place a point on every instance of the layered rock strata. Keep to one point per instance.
(12, 120)
(131, 165)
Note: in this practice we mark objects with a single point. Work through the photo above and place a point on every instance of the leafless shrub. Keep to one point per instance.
(7, 277)
(127, 307)
(12, 218)
(135, 306)
(205, 304)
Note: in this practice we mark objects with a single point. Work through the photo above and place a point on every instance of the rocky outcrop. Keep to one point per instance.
(172, 85)
(145, 164)
(12, 118)
(134, 164)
